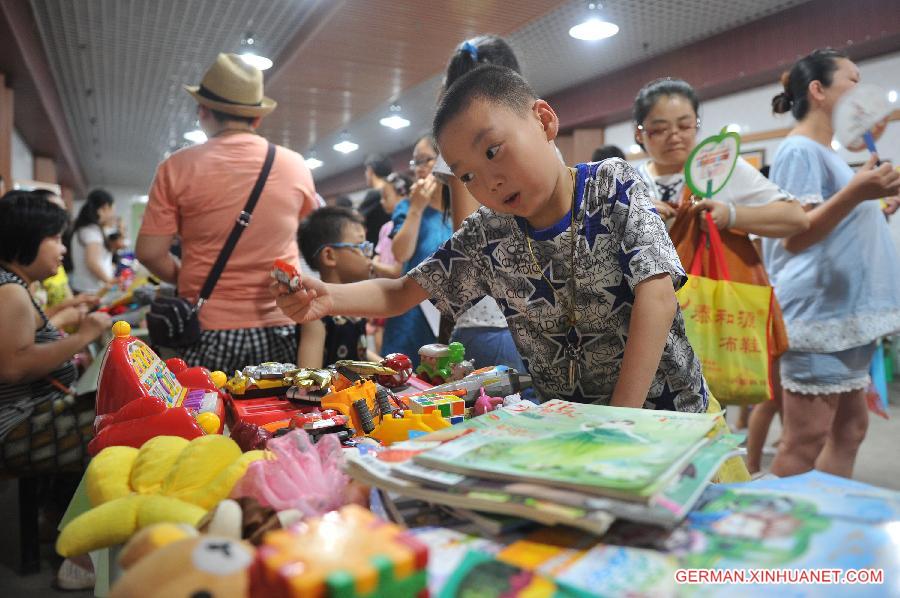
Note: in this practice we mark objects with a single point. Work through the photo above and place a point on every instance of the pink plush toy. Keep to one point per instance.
(302, 475)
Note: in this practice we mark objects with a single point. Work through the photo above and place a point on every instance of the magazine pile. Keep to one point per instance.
(559, 463)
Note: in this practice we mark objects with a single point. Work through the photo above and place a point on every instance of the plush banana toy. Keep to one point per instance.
(168, 480)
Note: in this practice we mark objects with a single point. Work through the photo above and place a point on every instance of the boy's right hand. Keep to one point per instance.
(311, 302)
(94, 324)
(875, 182)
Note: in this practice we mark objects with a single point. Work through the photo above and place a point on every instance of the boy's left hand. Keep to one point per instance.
(717, 209)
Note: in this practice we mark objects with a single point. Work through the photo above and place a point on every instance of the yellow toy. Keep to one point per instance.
(391, 430)
(167, 480)
(342, 402)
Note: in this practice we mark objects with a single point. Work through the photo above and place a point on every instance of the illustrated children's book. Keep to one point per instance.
(667, 508)
(610, 451)
(808, 522)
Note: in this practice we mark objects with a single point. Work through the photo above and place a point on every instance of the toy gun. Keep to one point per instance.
(498, 381)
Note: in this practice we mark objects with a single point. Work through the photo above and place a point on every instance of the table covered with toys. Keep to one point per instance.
(368, 479)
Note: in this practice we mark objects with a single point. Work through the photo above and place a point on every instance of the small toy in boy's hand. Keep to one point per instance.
(287, 275)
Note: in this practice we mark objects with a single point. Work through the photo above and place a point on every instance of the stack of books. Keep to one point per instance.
(559, 463)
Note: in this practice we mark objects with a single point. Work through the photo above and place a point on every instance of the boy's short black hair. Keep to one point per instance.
(492, 83)
(26, 219)
(607, 151)
(324, 226)
(380, 165)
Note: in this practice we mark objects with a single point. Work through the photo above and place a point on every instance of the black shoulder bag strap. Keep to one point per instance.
(243, 220)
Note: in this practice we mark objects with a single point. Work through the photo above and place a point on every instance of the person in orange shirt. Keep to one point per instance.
(199, 191)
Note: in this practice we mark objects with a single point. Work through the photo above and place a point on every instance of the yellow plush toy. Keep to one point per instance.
(167, 480)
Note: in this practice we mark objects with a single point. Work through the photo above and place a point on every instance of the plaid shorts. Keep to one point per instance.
(230, 350)
(53, 438)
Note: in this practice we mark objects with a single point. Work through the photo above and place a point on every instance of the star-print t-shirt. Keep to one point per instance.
(620, 241)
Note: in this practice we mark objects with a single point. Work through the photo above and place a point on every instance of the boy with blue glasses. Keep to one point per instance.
(333, 242)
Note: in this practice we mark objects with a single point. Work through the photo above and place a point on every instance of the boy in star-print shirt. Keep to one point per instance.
(627, 332)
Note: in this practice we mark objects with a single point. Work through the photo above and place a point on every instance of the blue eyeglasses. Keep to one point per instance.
(366, 248)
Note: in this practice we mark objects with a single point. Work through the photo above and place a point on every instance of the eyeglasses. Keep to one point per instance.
(666, 130)
(367, 248)
(421, 161)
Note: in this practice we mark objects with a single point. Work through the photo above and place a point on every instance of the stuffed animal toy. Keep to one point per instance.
(302, 476)
(169, 479)
(162, 561)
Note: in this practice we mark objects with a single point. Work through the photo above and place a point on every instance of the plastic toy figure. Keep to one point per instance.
(365, 368)
(437, 361)
(485, 404)
(286, 274)
(402, 367)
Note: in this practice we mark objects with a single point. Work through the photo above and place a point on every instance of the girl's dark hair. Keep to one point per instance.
(90, 211)
(26, 219)
(89, 215)
(818, 65)
(651, 92)
(477, 51)
(400, 183)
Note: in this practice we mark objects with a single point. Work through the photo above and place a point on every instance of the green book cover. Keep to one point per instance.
(614, 451)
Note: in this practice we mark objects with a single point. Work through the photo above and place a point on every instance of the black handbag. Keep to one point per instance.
(175, 321)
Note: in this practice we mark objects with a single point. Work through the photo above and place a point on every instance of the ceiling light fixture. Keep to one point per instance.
(312, 162)
(835, 144)
(892, 96)
(634, 148)
(345, 146)
(394, 121)
(734, 128)
(250, 56)
(594, 27)
(195, 136)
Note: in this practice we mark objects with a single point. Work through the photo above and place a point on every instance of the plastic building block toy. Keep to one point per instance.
(396, 429)
(287, 275)
(446, 405)
(343, 554)
(441, 363)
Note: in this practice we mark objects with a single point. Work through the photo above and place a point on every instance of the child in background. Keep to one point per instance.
(394, 189)
(421, 225)
(578, 260)
(333, 242)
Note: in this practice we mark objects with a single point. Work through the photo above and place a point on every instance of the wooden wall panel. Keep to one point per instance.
(6, 132)
(45, 170)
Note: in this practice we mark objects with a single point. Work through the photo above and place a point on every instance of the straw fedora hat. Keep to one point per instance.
(234, 87)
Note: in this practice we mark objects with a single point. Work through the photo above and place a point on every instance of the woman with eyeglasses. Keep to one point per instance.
(666, 123)
(421, 226)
